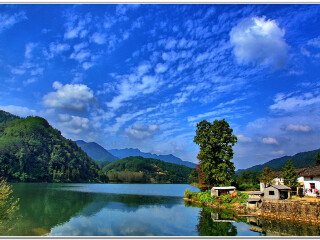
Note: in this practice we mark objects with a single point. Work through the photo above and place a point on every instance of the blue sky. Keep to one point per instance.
(142, 76)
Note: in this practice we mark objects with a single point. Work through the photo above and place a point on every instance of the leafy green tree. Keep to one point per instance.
(318, 159)
(289, 175)
(215, 141)
(193, 177)
(267, 176)
(8, 205)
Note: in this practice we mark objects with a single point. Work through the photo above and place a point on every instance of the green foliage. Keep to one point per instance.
(8, 205)
(205, 197)
(193, 177)
(247, 181)
(32, 151)
(299, 160)
(149, 170)
(267, 176)
(226, 198)
(187, 193)
(215, 141)
(317, 159)
(289, 175)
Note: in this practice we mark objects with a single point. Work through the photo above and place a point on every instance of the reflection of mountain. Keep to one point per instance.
(44, 206)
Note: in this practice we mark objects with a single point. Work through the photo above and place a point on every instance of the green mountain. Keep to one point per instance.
(97, 152)
(146, 170)
(299, 160)
(31, 150)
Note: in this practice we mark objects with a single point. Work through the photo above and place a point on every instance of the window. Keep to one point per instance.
(312, 185)
(271, 192)
(311, 178)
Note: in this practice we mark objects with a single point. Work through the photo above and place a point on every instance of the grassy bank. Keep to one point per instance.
(234, 201)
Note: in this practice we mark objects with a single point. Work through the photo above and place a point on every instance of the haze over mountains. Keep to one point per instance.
(299, 160)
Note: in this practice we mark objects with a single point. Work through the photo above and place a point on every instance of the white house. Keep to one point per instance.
(308, 179)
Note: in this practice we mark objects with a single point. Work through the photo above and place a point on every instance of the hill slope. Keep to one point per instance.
(139, 169)
(96, 152)
(127, 152)
(31, 150)
(299, 160)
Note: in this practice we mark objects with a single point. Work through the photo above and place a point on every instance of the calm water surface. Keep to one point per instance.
(129, 210)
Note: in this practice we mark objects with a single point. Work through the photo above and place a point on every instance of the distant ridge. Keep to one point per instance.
(299, 160)
(96, 152)
(127, 152)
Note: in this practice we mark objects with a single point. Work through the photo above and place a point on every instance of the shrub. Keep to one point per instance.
(7, 204)
(188, 193)
(205, 197)
(226, 198)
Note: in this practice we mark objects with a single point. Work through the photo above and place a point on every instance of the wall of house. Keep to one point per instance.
(291, 210)
(267, 195)
(307, 181)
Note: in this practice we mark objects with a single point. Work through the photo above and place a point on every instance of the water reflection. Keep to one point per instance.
(51, 209)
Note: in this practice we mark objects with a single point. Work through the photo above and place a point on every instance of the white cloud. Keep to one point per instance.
(19, 111)
(72, 124)
(141, 131)
(29, 81)
(57, 48)
(73, 97)
(7, 21)
(261, 41)
(87, 65)
(161, 68)
(280, 152)
(298, 128)
(98, 38)
(244, 139)
(293, 103)
(269, 140)
(29, 49)
(80, 56)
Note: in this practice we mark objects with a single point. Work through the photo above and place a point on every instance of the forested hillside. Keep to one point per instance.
(31, 150)
(299, 160)
(146, 170)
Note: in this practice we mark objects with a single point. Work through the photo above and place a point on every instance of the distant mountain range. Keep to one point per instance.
(99, 154)
(127, 152)
(96, 152)
(299, 160)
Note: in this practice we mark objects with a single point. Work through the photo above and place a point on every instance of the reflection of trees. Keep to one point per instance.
(44, 206)
(206, 227)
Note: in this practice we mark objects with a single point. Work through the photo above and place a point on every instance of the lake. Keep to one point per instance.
(130, 210)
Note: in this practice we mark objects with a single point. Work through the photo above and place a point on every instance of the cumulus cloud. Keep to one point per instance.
(73, 97)
(29, 49)
(298, 128)
(161, 68)
(72, 124)
(244, 139)
(141, 131)
(18, 110)
(259, 41)
(269, 140)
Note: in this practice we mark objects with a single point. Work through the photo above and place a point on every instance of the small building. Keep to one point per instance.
(218, 191)
(275, 192)
(309, 179)
(254, 201)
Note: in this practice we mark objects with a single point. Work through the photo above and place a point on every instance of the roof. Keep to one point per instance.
(255, 193)
(224, 188)
(253, 200)
(281, 187)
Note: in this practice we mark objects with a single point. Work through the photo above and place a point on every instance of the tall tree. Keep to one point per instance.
(215, 141)
(267, 176)
(289, 175)
(318, 158)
